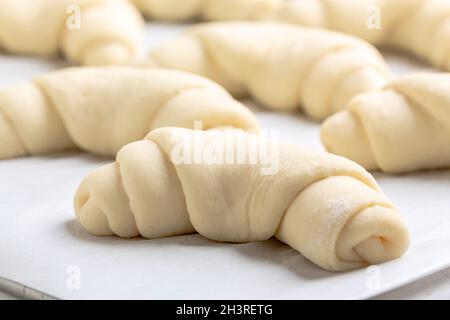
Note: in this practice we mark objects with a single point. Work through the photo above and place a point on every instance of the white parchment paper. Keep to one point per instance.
(42, 247)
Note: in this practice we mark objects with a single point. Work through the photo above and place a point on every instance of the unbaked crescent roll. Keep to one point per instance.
(285, 67)
(177, 10)
(306, 12)
(99, 110)
(418, 26)
(178, 181)
(88, 32)
(401, 128)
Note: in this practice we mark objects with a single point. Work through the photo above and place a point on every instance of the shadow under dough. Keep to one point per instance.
(271, 252)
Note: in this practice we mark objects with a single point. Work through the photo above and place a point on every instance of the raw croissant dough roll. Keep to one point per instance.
(418, 26)
(326, 207)
(401, 128)
(109, 30)
(176, 10)
(101, 109)
(305, 12)
(282, 66)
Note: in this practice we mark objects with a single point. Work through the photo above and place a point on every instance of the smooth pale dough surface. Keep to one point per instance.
(418, 26)
(282, 66)
(307, 12)
(401, 128)
(176, 10)
(101, 109)
(110, 31)
(328, 208)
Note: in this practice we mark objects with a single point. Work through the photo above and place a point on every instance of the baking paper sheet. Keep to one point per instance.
(42, 247)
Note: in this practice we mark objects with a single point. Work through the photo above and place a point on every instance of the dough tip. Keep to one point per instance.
(343, 135)
(107, 54)
(90, 216)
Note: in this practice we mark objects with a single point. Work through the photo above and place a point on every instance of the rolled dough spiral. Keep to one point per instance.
(87, 32)
(177, 10)
(401, 128)
(101, 109)
(284, 67)
(306, 12)
(326, 207)
(418, 26)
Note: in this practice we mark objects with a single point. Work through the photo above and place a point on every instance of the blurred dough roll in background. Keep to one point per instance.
(101, 109)
(326, 207)
(224, 10)
(284, 67)
(107, 31)
(421, 27)
(111, 30)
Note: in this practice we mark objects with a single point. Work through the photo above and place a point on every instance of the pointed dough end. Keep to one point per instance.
(90, 215)
(343, 134)
(107, 54)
